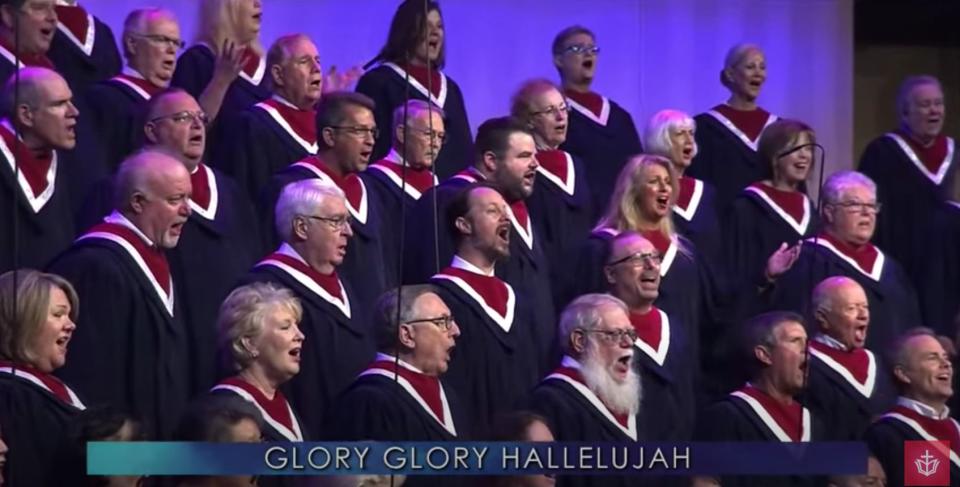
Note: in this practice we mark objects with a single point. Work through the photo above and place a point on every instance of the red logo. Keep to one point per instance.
(926, 462)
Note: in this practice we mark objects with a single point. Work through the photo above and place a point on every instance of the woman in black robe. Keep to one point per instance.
(410, 66)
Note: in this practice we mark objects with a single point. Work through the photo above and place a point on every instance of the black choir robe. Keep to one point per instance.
(846, 390)
(118, 109)
(261, 142)
(45, 223)
(364, 265)
(34, 423)
(910, 193)
(939, 284)
(575, 414)
(498, 357)
(217, 246)
(758, 221)
(727, 157)
(562, 205)
(428, 244)
(83, 49)
(750, 415)
(386, 84)
(695, 217)
(893, 303)
(130, 348)
(337, 345)
(603, 135)
(885, 438)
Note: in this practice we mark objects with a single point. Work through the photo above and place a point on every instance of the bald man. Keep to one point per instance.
(846, 386)
(130, 348)
(45, 118)
(151, 40)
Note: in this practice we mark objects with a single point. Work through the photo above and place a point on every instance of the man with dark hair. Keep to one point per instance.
(846, 387)
(32, 135)
(346, 132)
(221, 419)
(923, 374)
(269, 136)
(600, 132)
(773, 354)
(83, 48)
(500, 351)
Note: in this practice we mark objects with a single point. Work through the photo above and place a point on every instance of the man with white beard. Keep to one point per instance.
(594, 395)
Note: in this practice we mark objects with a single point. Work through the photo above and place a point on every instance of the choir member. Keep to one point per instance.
(594, 394)
(37, 315)
(846, 386)
(562, 203)
(912, 167)
(32, 135)
(100, 423)
(131, 347)
(410, 65)
(520, 426)
(923, 376)
(83, 48)
(772, 213)
(671, 134)
(662, 348)
(281, 130)
(219, 242)
(260, 342)
(874, 476)
(940, 271)
(402, 177)
(313, 219)
(401, 395)
(600, 131)
(501, 348)
(151, 39)
(219, 419)
(727, 134)
(773, 355)
(346, 132)
(843, 248)
(225, 70)
(30, 25)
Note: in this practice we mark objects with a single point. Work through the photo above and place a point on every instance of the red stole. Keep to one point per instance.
(941, 429)
(35, 168)
(329, 282)
(856, 361)
(556, 165)
(426, 78)
(519, 208)
(276, 408)
(931, 157)
(791, 202)
(659, 241)
(148, 87)
(649, 327)
(687, 185)
(350, 184)
(55, 385)
(303, 122)
(201, 187)
(420, 179)
(589, 100)
(750, 122)
(75, 19)
(865, 256)
(787, 416)
(251, 62)
(154, 258)
(494, 292)
(575, 375)
(28, 59)
(427, 386)
(469, 175)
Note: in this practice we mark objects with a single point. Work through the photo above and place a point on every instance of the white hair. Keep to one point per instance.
(737, 53)
(840, 182)
(301, 198)
(656, 137)
(583, 313)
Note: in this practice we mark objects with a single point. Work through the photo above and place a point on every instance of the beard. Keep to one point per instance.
(620, 397)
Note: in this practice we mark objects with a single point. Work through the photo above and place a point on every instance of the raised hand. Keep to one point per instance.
(336, 81)
(782, 260)
(229, 62)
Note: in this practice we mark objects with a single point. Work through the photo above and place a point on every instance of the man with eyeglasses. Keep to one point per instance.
(846, 387)
(272, 134)
(562, 203)
(345, 133)
(600, 131)
(772, 352)
(313, 220)
(151, 41)
(403, 394)
(83, 48)
(843, 248)
(594, 394)
(662, 349)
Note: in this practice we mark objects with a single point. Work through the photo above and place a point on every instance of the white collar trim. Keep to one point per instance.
(798, 226)
(36, 202)
(295, 435)
(752, 144)
(768, 420)
(447, 424)
(908, 151)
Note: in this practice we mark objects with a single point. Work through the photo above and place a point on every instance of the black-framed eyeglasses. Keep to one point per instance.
(444, 323)
(358, 131)
(177, 44)
(857, 207)
(582, 49)
(615, 336)
(638, 259)
(552, 110)
(185, 117)
(339, 223)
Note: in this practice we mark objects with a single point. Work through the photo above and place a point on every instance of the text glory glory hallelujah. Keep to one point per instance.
(532, 458)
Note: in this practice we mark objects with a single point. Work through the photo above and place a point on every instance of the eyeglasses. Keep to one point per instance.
(857, 207)
(181, 118)
(444, 323)
(582, 48)
(552, 110)
(358, 131)
(638, 259)
(432, 134)
(159, 39)
(339, 223)
(615, 336)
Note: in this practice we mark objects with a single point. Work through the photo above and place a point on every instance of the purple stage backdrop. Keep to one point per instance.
(654, 53)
